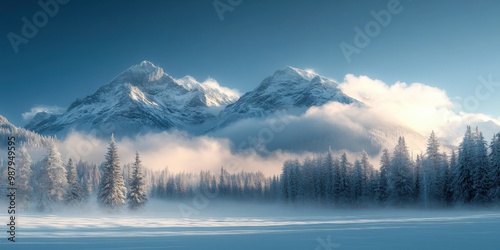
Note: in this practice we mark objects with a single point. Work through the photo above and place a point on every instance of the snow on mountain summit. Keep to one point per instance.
(144, 98)
(140, 99)
(216, 95)
(287, 89)
(290, 72)
(148, 69)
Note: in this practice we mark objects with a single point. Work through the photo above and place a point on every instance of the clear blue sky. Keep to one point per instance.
(447, 44)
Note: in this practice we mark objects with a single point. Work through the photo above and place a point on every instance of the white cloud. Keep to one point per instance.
(190, 82)
(418, 106)
(212, 83)
(175, 150)
(311, 71)
(41, 108)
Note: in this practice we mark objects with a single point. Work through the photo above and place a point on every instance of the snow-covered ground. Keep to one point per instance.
(250, 226)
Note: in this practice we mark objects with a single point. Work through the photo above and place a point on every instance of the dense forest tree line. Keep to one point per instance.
(468, 176)
(433, 179)
(223, 185)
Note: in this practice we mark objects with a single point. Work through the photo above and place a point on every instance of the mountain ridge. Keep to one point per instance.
(140, 99)
(286, 88)
(144, 98)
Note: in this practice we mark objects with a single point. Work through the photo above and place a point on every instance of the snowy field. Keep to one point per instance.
(248, 226)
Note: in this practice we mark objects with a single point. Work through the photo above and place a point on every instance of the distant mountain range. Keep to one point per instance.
(144, 98)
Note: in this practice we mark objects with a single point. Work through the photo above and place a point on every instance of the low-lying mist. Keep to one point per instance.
(176, 150)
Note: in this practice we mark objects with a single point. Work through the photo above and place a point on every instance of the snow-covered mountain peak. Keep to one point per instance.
(141, 98)
(188, 82)
(215, 95)
(147, 63)
(287, 89)
(296, 78)
(293, 72)
(147, 70)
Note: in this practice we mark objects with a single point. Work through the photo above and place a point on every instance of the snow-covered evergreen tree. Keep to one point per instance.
(357, 182)
(447, 179)
(345, 180)
(463, 181)
(433, 172)
(326, 177)
(400, 175)
(368, 182)
(481, 171)
(451, 177)
(310, 189)
(112, 190)
(420, 182)
(24, 173)
(137, 196)
(53, 180)
(75, 192)
(224, 183)
(383, 183)
(336, 182)
(289, 186)
(495, 167)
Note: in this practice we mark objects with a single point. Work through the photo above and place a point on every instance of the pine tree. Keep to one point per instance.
(24, 188)
(383, 184)
(400, 174)
(224, 183)
(75, 193)
(451, 176)
(53, 180)
(433, 170)
(420, 182)
(112, 190)
(290, 182)
(326, 177)
(368, 190)
(481, 171)
(274, 188)
(447, 179)
(285, 181)
(357, 182)
(137, 195)
(463, 182)
(495, 167)
(310, 180)
(336, 182)
(344, 180)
